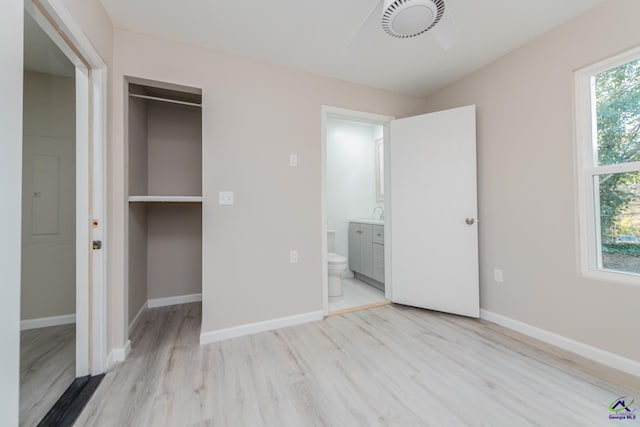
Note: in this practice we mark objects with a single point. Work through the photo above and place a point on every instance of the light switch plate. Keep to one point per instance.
(225, 198)
(293, 257)
(293, 160)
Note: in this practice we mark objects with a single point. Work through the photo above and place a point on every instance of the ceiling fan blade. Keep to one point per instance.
(358, 36)
(446, 31)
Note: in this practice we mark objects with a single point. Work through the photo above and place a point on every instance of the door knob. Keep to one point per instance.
(470, 221)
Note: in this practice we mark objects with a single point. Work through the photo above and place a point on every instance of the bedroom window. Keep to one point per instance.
(608, 136)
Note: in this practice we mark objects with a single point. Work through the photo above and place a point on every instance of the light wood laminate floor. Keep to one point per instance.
(391, 365)
(355, 293)
(47, 368)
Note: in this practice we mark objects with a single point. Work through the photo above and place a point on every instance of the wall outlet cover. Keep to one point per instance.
(225, 198)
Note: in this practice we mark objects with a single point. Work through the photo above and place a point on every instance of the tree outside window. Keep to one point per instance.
(617, 149)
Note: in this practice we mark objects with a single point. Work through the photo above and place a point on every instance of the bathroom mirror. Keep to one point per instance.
(379, 153)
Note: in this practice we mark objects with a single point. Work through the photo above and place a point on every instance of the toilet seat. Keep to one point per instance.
(334, 258)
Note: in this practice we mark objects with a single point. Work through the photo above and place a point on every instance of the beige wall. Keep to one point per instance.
(254, 116)
(527, 182)
(49, 105)
(48, 261)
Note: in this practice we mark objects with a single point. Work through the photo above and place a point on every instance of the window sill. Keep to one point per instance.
(611, 276)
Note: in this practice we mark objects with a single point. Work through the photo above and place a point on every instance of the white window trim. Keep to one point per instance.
(589, 224)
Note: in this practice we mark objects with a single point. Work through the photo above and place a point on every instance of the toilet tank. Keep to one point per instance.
(331, 240)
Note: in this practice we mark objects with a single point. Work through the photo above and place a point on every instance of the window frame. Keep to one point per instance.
(589, 250)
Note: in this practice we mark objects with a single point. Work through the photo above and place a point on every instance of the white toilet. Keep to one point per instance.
(337, 264)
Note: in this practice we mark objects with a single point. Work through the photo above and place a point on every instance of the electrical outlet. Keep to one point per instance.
(293, 160)
(293, 257)
(497, 275)
(225, 198)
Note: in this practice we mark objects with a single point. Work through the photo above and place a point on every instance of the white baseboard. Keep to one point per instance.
(127, 349)
(45, 322)
(133, 323)
(181, 299)
(254, 328)
(606, 358)
(118, 354)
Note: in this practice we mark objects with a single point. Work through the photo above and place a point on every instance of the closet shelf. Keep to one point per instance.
(173, 101)
(165, 199)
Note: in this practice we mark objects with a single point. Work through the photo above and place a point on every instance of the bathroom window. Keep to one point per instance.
(608, 137)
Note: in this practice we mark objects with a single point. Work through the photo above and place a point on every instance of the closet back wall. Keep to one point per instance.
(174, 250)
(169, 160)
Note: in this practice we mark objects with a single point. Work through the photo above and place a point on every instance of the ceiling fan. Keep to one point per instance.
(410, 18)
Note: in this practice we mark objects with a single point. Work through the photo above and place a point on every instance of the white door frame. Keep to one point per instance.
(328, 112)
(91, 207)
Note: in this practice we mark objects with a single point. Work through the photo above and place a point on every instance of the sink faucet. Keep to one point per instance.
(381, 214)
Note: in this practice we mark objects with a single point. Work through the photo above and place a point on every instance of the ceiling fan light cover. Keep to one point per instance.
(410, 18)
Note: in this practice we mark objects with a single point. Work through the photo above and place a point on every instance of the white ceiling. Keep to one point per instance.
(312, 35)
(41, 54)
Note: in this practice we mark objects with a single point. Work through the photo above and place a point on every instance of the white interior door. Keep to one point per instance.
(434, 232)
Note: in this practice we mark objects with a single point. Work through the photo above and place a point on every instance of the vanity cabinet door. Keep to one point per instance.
(378, 262)
(366, 250)
(354, 247)
(378, 234)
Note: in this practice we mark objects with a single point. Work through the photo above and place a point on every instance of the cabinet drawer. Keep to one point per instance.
(378, 234)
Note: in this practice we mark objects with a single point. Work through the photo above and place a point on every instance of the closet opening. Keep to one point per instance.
(164, 139)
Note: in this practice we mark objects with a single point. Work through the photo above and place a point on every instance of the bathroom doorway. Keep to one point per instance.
(354, 210)
(417, 271)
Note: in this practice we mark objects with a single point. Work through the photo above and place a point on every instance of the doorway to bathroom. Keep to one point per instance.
(354, 212)
(429, 234)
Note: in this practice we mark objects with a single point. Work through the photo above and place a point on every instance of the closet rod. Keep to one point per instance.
(174, 101)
